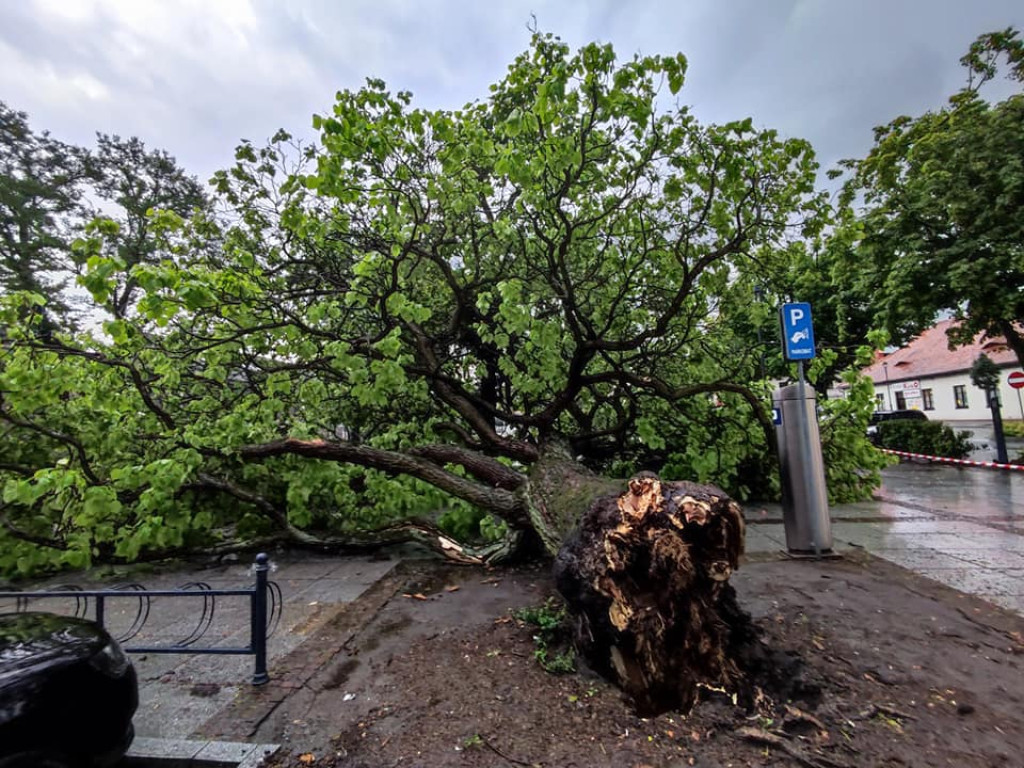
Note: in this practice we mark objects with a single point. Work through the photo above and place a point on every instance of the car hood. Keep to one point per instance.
(30, 640)
(33, 645)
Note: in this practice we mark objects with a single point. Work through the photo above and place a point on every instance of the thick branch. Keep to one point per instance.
(420, 531)
(20, 469)
(663, 390)
(1013, 338)
(503, 503)
(661, 325)
(40, 541)
(481, 467)
(465, 405)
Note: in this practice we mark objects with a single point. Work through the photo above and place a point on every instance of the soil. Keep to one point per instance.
(430, 668)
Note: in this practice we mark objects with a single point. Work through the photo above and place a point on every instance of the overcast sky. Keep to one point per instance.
(195, 76)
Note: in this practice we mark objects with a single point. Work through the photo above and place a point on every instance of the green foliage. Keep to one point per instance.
(985, 373)
(392, 325)
(554, 651)
(852, 465)
(465, 522)
(560, 663)
(549, 617)
(46, 188)
(942, 221)
(1013, 428)
(932, 438)
(724, 445)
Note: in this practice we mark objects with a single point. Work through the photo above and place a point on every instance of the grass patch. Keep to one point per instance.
(1013, 428)
(550, 620)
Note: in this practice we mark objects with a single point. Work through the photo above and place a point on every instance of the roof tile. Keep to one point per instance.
(929, 355)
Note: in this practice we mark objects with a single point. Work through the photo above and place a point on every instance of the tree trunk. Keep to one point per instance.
(646, 577)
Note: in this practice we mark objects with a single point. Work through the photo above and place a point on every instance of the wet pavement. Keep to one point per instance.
(962, 527)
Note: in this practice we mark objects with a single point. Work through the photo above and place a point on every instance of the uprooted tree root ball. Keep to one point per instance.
(646, 578)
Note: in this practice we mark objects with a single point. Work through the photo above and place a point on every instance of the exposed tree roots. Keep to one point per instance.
(646, 576)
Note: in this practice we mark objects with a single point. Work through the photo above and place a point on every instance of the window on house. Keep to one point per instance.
(928, 399)
(901, 401)
(879, 402)
(960, 395)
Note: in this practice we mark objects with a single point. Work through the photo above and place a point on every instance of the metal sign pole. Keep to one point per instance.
(805, 496)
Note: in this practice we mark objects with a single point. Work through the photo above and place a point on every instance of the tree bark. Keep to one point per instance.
(646, 577)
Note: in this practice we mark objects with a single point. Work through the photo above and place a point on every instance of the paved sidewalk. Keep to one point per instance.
(178, 693)
(961, 527)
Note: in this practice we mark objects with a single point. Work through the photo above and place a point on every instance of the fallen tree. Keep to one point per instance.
(482, 311)
(479, 311)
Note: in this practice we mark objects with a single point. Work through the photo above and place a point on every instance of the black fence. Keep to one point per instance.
(265, 605)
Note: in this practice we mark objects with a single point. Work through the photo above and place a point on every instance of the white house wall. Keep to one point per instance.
(942, 388)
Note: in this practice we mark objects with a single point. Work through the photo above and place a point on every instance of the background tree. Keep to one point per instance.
(133, 181)
(942, 210)
(49, 190)
(41, 185)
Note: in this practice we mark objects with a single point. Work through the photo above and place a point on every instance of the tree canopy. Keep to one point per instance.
(941, 225)
(432, 322)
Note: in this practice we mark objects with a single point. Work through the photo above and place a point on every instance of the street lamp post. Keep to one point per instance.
(888, 394)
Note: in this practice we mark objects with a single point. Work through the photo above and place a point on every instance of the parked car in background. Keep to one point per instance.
(67, 693)
(903, 415)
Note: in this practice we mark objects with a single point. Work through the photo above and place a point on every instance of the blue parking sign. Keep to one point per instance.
(797, 331)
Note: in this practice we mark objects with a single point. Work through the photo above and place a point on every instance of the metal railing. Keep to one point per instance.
(265, 606)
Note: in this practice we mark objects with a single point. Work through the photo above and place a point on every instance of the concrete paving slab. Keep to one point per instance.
(902, 527)
(763, 538)
(1010, 602)
(177, 707)
(872, 536)
(990, 540)
(165, 749)
(922, 559)
(995, 559)
(984, 582)
(147, 752)
(226, 751)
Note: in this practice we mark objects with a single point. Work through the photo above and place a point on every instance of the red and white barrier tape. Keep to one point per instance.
(960, 462)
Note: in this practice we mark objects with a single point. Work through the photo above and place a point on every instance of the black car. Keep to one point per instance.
(902, 415)
(67, 693)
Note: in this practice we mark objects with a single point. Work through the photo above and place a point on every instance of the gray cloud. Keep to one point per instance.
(195, 76)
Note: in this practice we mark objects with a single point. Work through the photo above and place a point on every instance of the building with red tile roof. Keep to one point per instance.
(927, 375)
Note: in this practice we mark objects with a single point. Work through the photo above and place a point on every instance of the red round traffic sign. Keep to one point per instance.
(1016, 380)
